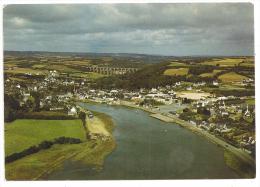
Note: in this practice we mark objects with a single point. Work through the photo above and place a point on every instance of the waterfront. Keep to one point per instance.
(151, 149)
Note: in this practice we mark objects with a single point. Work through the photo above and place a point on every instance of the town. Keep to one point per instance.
(122, 91)
(230, 118)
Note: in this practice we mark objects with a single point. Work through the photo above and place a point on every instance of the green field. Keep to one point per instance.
(61, 68)
(176, 64)
(232, 77)
(250, 101)
(76, 62)
(247, 64)
(39, 66)
(26, 70)
(90, 75)
(212, 74)
(37, 165)
(22, 134)
(176, 72)
(224, 62)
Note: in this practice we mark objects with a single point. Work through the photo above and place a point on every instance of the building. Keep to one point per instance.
(72, 111)
(247, 112)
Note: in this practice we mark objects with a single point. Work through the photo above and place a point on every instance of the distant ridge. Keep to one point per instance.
(132, 55)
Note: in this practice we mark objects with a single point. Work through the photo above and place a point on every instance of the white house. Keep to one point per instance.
(72, 111)
(247, 112)
(215, 83)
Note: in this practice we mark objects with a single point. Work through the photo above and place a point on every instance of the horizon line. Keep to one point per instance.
(130, 53)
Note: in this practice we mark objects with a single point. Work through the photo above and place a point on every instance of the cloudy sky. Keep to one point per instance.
(168, 29)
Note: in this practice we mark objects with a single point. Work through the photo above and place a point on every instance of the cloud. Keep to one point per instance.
(171, 29)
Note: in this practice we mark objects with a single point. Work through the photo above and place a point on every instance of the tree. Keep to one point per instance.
(11, 107)
(203, 111)
(30, 104)
(82, 116)
(11, 101)
(37, 100)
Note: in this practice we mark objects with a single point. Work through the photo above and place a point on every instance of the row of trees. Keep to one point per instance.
(43, 145)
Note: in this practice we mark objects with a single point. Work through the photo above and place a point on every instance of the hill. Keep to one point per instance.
(148, 77)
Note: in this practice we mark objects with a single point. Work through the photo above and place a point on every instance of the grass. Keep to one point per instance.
(247, 64)
(39, 165)
(61, 68)
(90, 75)
(76, 62)
(212, 74)
(17, 79)
(176, 72)
(243, 169)
(24, 133)
(250, 101)
(224, 62)
(39, 66)
(10, 64)
(46, 115)
(25, 70)
(176, 64)
(231, 87)
(231, 77)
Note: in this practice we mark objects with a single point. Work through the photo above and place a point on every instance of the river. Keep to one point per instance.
(151, 149)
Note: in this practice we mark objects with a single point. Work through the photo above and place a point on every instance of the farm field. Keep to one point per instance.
(176, 72)
(24, 133)
(250, 102)
(247, 64)
(212, 74)
(38, 165)
(229, 86)
(39, 66)
(232, 77)
(224, 62)
(90, 75)
(61, 68)
(76, 62)
(176, 64)
(26, 70)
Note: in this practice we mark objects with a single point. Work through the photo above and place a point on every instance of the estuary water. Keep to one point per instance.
(150, 149)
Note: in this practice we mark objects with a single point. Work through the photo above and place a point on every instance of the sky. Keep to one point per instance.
(160, 29)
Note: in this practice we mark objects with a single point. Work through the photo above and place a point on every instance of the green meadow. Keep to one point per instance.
(23, 133)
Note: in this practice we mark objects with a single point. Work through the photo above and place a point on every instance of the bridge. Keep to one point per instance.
(111, 70)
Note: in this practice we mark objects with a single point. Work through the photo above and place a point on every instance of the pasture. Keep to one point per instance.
(224, 62)
(212, 74)
(232, 77)
(176, 64)
(60, 68)
(23, 133)
(25, 70)
(176, 72)
(90, 75)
